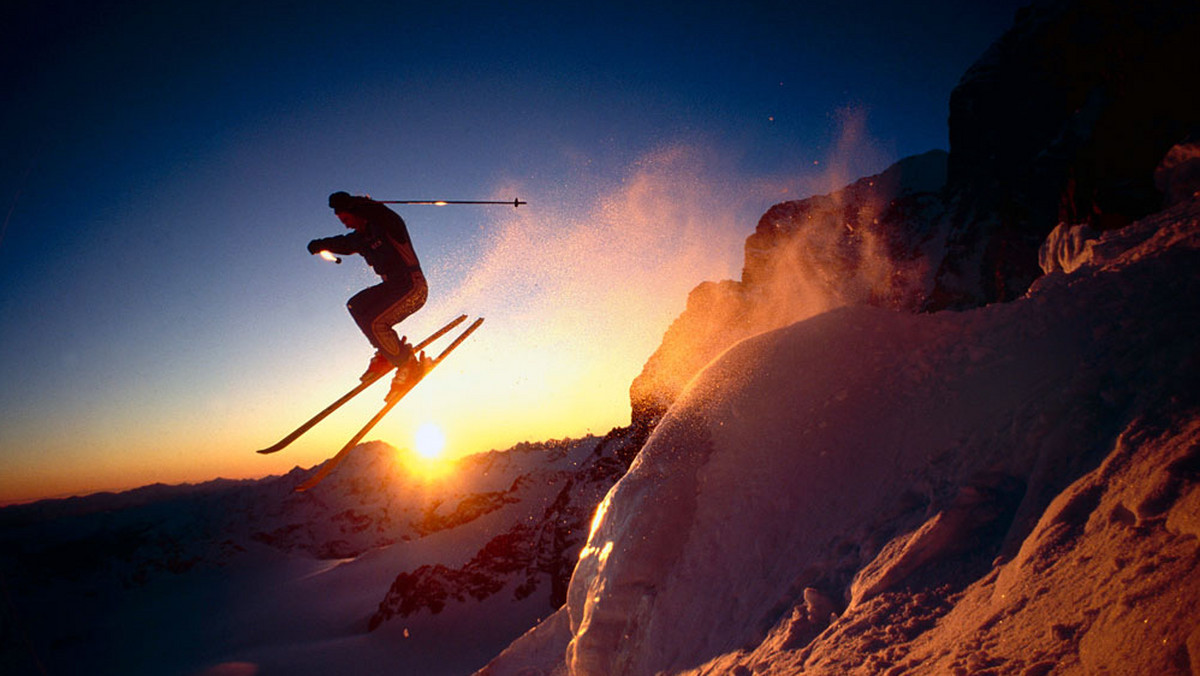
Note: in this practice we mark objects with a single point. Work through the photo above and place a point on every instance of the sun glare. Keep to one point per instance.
(430, 441)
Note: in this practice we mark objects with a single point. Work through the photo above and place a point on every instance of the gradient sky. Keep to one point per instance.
(164, 165)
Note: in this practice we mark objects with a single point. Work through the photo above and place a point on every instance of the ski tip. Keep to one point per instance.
(308, 483)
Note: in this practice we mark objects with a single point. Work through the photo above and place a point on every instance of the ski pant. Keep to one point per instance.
(378, 308)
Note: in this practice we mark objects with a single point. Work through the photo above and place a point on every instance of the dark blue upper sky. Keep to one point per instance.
(163, 164)
(151, 83)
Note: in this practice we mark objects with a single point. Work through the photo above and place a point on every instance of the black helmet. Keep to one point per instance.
(342, 201)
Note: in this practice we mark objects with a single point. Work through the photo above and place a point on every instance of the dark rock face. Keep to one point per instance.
(1178, 177)
(1063, 120)
(887, 217)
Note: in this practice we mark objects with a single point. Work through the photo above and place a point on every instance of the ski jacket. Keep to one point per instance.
(384, 243)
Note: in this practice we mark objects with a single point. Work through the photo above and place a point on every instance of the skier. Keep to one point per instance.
(381, 238)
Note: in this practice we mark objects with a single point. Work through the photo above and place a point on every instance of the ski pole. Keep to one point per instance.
(441, 203)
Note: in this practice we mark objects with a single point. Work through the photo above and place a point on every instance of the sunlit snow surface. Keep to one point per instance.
(795, 457)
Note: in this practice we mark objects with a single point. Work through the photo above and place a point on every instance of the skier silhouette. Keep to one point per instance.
(381, 238)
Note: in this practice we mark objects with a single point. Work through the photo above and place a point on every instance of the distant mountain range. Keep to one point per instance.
(503, 524)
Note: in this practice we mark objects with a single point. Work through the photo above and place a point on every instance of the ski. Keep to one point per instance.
(283, 443)
(393, 399)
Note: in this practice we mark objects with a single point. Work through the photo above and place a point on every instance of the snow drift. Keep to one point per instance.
(812, 470)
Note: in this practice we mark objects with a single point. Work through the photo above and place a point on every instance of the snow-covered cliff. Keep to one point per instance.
(1013, 487)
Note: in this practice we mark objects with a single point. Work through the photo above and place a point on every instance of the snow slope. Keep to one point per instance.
(914, 479)
(250, 577)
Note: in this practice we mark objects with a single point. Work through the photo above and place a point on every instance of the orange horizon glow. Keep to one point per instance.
(577, 295)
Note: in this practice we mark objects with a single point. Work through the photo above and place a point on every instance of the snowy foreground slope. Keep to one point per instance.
(379, 569)
(1012, 489)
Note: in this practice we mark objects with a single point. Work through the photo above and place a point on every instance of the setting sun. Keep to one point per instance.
(430, 440)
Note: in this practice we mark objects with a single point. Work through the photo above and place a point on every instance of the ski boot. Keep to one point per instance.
(407, 376)
(378, 367)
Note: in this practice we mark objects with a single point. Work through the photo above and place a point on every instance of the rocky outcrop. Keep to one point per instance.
(866, 243)
(1063, 120)
(1066, 119)
(852, 244)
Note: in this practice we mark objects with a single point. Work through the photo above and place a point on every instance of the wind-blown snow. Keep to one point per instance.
(809, 455)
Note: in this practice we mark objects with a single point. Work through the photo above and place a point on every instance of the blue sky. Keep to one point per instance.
(164, 165)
